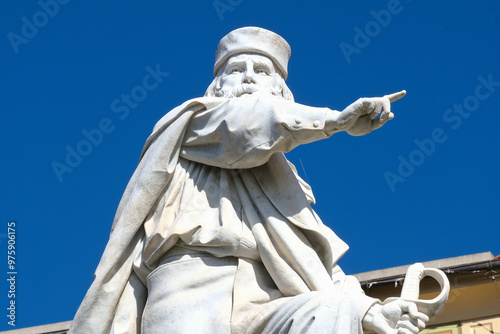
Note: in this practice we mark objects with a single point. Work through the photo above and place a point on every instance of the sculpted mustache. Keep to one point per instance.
(244, 89)
(241, 89)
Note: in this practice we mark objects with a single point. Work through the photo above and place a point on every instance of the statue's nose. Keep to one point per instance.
(249, 77)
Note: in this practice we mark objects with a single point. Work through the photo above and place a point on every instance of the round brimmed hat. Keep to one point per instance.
(254, 40)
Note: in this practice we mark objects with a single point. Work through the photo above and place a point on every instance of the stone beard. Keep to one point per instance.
(216, 90)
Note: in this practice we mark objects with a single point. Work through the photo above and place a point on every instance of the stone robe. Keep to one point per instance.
(213, 179)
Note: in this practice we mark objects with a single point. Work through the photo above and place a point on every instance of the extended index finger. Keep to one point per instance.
(396, 96)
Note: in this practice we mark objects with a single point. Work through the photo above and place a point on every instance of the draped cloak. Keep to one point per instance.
(247, 135)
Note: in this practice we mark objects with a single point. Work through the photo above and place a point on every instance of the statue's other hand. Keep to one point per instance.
(368, 114)
(396, 317)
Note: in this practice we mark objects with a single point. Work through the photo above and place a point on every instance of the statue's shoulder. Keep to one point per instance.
(195, 105)
(179, 116)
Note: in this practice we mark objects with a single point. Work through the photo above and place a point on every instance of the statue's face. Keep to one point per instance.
(248, 73)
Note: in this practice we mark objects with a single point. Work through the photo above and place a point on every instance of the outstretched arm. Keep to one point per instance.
(244, 132)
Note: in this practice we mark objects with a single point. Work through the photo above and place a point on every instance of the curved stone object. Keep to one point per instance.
(411, 289)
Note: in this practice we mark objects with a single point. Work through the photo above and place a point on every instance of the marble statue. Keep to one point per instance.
(215, 232)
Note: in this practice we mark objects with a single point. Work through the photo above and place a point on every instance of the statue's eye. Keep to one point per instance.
(236, 70)
(261, 70)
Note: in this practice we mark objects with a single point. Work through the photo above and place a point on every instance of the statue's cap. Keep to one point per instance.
(254, 40)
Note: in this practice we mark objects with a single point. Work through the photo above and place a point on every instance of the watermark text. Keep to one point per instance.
(453, 117)
(222, 6)
(30, 27)
(363, 36)
(11, 273)
(94, 137)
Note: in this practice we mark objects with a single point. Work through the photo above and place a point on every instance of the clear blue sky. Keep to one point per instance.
(423, 187)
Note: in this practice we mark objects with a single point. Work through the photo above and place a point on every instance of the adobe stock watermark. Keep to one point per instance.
(121, 107)
(30, 27)
(453, 117)
(11, 272)
(222, 6)
(363, 37)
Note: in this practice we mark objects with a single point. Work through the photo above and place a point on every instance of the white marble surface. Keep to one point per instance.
(215, 232)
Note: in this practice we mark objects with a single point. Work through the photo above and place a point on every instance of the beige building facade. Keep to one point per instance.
(473, 305)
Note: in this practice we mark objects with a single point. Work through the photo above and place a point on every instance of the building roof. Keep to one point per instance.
(445, 264)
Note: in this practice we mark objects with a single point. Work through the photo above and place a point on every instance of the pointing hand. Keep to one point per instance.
(367, 114)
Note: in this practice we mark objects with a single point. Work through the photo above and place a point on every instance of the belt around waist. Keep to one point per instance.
(177, 252)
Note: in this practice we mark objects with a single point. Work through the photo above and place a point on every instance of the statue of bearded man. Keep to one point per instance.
(215, 232)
